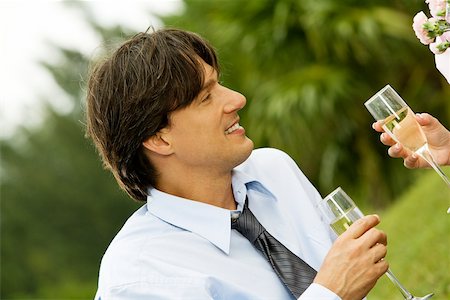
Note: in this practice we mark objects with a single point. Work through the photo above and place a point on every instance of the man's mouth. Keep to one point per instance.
(233, 128)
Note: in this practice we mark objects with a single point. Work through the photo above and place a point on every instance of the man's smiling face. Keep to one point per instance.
(206, 133)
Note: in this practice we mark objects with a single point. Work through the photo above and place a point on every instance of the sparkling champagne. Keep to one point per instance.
(343, 222)
(404, 127)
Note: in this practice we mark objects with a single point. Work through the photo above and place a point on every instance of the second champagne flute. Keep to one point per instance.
(340, 211)
(399, 122)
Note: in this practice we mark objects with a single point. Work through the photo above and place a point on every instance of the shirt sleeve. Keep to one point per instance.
(314, 195)
(318, 292)
(144, 290)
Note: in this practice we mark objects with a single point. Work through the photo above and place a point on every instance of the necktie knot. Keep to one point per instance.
(247, 224)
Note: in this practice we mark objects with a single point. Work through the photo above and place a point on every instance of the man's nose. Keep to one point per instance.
(235, 101)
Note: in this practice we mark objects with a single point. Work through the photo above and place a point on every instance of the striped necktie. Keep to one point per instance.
(296, 274)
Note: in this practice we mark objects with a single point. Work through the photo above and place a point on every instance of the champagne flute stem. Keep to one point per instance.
(406, 294)
(425, 153)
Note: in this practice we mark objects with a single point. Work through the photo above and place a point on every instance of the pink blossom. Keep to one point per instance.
(440, 45)
(437, 7)
(434, 47)
(446, 36)
(419, 20)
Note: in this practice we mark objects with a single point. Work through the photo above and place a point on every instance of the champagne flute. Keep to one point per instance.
(340, 211)
(399, 122)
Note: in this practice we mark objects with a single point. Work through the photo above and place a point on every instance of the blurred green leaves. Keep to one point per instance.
(59, 208)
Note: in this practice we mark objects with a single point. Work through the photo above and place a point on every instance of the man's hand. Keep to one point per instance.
(438, 141)
(355, 261)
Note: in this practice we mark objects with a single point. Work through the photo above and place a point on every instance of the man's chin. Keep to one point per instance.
(245, 155)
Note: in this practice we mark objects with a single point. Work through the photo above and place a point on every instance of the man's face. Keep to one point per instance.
(206, 134)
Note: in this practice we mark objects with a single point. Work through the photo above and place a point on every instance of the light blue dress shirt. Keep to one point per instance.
(175, 248)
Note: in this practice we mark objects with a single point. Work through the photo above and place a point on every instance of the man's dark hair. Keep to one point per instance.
(131, 94)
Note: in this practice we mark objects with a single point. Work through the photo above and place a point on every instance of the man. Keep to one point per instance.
(170, 134)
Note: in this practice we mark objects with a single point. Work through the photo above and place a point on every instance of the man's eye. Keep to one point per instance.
(207, 97)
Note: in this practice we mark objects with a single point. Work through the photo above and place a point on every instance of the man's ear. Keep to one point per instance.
(158, 143)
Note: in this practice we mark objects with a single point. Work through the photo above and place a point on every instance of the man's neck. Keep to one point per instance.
(213, 189)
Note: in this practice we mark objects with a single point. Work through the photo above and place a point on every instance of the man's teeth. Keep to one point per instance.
(232, 128)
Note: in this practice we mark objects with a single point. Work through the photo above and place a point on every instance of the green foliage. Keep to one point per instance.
(418, 226)
(59, 208)
(306, 68)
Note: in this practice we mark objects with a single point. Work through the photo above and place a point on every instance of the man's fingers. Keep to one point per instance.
(382, 266)
(378, 252)
(360, 226)
(373, 237)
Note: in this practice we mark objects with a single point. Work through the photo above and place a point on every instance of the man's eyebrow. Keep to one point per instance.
(213, 79)
(210, 82)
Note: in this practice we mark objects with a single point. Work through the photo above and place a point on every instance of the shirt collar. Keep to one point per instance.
(243, 182)
(208, 221)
